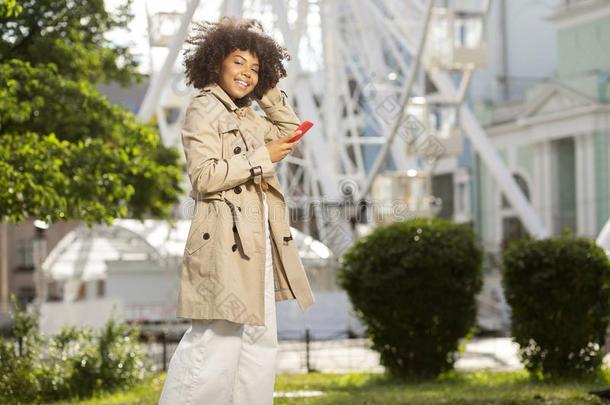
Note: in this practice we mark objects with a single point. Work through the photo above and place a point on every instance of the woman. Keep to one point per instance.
(239, 257)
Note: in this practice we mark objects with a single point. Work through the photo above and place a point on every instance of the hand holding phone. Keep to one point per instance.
(304, 127)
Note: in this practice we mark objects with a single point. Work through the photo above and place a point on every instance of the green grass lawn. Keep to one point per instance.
(487, 388)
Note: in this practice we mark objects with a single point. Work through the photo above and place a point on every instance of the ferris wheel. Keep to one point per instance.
(385, 82)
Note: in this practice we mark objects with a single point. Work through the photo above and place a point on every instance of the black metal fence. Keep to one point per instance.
(300, 350)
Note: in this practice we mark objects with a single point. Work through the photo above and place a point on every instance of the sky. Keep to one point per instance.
(137, 35)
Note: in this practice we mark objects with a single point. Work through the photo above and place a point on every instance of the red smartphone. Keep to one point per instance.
(304, 127)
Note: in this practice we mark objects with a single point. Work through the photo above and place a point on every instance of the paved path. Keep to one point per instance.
(348, 355)
(353, 355)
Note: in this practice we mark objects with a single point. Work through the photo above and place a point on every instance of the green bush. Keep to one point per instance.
(19, 360)
(413, 284)
(76, 363)
(558, 290)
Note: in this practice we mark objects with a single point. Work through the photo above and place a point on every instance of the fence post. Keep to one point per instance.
(164, 341)
(307, 340)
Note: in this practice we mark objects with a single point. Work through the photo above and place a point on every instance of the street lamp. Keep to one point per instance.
(39, 251)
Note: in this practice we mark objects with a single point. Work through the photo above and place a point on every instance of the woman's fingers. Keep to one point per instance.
(287, 146)
(281, 147)
(284, 139)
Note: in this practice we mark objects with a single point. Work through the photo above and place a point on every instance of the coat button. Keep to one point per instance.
(206, 236)
(239, 209)
(237, 190)
(234, 248)
(237, 150)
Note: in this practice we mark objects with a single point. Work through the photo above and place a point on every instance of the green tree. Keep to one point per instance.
(70, 35)
(9, 7)
(66, 152)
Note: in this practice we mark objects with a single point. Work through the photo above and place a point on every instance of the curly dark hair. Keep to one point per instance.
(212, 42)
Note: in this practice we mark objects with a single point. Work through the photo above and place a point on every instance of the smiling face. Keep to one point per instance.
(239, 73)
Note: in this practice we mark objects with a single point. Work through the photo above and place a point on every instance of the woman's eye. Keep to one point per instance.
(255, 71)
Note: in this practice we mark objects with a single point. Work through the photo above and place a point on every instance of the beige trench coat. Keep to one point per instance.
(224, 257)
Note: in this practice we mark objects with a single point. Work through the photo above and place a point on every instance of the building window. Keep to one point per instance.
(54, 291)
(462, 202)
(25, 295)
(512, 227)
(82, 291)
(101, 288)
(25, 255)
(564, 190)
(442, 187)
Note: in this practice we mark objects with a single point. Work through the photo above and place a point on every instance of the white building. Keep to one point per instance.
(555, 141)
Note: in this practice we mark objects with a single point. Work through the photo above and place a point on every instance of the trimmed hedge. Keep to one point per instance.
(414, 283)
(559, 293)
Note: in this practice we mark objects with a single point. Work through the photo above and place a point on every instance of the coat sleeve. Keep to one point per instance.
(280, 119)
(207, 170)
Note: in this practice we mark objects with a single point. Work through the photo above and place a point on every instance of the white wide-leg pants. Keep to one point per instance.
(219, 362)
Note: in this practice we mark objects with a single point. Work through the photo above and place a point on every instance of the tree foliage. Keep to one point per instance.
(70, 35)
(66, 152)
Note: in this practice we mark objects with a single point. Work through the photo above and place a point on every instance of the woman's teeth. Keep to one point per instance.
(241, 83)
